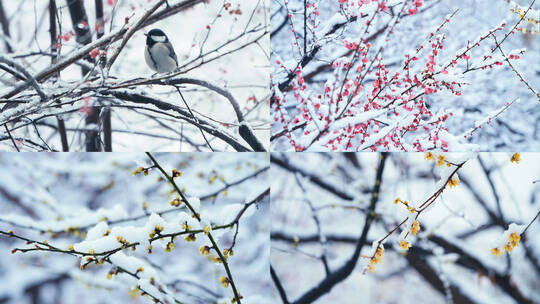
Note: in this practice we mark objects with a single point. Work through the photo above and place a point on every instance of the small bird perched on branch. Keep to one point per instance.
(159, 52)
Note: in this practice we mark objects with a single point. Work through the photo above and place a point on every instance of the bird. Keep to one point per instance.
(159, 53)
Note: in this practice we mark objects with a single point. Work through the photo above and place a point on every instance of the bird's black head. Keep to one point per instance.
(155, 35)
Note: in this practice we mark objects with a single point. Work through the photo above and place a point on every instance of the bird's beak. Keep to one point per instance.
(145, 34)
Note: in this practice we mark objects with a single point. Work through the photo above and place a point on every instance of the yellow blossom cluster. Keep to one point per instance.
(405, 203)
(415, 227)
(139, 170)
(176, 202)
(376, 259)
(169, 247)
(441, 159)
(228, 252)
(404, 244)
(190, 237)
(454, 181)
(513, 241)
(176, 173)
(530, 18)
(123, 241)
(496, 251)
(224, 281)
(521, 14)
(204, 250)
(157, 230)
(185, 226)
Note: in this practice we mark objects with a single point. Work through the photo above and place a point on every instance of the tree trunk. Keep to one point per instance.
(79, 19)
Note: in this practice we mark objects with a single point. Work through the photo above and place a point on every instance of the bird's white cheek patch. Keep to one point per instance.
(159, 38)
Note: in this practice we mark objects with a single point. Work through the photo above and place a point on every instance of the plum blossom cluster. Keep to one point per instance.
(366, 105)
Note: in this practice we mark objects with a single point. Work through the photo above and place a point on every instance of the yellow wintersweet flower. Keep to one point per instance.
(441, 159)
(430, 156)
(138, 170)
(397, 201)
(377, 257)
(175, 202)
(514, 243)
(405, 245)
(453, 182)
(415, 227)
(204, 250)
(508, 247)
(496, 251)
(176, 173)
(515, 158)
(170, 246)
(190, 238)
(224, 281)
(514, 237)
